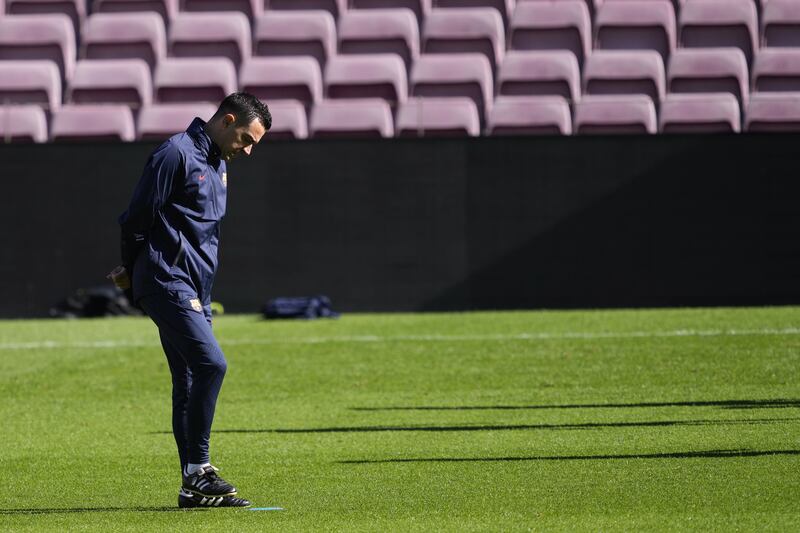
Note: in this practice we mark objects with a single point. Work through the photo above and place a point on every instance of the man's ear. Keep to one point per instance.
(228, 119)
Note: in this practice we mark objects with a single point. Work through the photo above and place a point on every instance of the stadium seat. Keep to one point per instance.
(720, 23)
(700, 113)
(121, 81)
(288, 120)
(194, 79)
(223, 34)
(74, 9)
(636, 25)
(166, 8)
(711, 70)
(250, 8)
(296, 33)
(592, 6)
(367, 76)
(124, 36)
(92, 123)
(504, 7)
(334, 7)
(454, 30)
(625, 72)
(540, 25)
(773, 112)
(22, 124)
(158, 122)
(357, 118)
(438, 117)
(421, 8)
(529, 115)
(777, 69)
(615, 114)
(381, 31)
(544, 72)
(30, 82)
(449, 75)
(282, 78)
(781, 23)
(39, 37)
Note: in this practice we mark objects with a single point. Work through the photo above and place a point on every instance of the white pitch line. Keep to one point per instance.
(45, 345)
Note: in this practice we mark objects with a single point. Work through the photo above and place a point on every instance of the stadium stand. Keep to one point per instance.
(347, 119)
(294, 33)
(636, 25)
(334, 7)
(383, 31)
(124, 36)
(367, 76)
(700, 113)
(529, 115)
(708, 71)
(74, 9)
(23, 124)
(780, 23)
(479, 30)
(102, 122)
(438, 117)
(447, 75)
(30, 82)
(720, 23)
(282, 78)
(158, 122)
(420, 8)
(615, 114)
(167, 9)
(773, 112)
(777, 69)
(563, 25)
(194, 79)
(289, 120)
(223, 34)
(546, 72)
(39, 37)
(251, 8)
(122, 81)
(625, 72)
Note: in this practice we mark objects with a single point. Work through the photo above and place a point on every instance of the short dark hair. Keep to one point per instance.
(246, 108)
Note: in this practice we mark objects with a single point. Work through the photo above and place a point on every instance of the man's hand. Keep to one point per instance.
(120, 278)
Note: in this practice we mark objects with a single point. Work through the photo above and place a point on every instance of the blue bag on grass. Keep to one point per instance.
(307, 307)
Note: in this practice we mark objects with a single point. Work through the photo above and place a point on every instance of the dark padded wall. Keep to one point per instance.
(440, 224)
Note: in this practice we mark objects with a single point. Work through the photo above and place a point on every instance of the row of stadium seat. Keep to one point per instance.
(421, 117)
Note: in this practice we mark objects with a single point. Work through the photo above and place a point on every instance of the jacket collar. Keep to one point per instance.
(202, 140)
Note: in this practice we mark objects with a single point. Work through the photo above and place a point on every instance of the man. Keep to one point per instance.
(170, 235)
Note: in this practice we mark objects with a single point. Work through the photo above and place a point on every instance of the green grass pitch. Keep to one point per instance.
(663, 420)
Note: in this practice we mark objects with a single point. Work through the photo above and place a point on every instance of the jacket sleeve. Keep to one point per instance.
(152, 193)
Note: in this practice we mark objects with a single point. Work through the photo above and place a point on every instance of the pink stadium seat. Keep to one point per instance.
(220, 34)
(781, 23)
(125, 36)
(504, 7)
(251, 8)
(288, 120)
(773, 112)
(30, 82)
(365, 118)
(636, 25)
(720, 23)
(93, 123)
(530, 115)
(22, 124)
(158, 122)
(282, 78)
(700, 113)
(711, 70)
(334, 7)
(74, 9)
(625, 72)
(549, 25)
(465, 30)
(421, 8)
(296, 33)
(448, 75)
(367, 76)
(777, 69)
(194, 79)
(544, 72)
(380, 31)
(592, 6)
(121, 81)
(166, 8)
(438, 117)
(615, 114)
(39, 37)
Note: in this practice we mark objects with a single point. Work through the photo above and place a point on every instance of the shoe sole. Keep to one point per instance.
(193, 501)
(203, 495)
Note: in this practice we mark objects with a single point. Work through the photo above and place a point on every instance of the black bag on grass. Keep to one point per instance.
(300, 307)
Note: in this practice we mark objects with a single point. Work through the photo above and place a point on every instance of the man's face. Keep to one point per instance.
(238, 139)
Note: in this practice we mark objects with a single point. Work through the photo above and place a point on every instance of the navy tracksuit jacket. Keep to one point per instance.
(170, 236)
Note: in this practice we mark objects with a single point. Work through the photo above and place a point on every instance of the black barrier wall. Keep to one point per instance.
(400, 225)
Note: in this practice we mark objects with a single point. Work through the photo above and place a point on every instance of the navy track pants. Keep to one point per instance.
(198, 367)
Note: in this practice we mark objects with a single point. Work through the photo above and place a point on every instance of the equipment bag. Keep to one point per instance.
(300, 307)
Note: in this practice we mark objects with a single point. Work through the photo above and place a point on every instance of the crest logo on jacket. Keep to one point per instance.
(196, 305)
